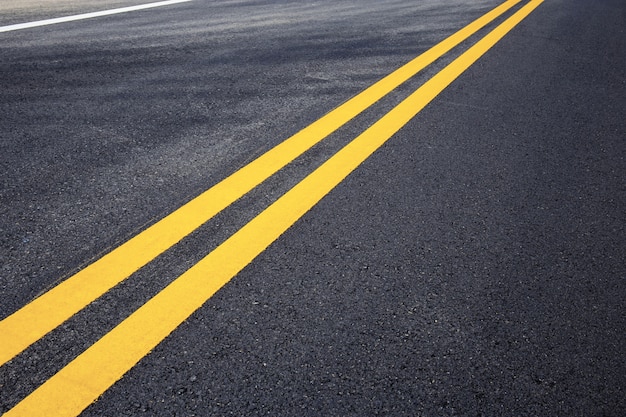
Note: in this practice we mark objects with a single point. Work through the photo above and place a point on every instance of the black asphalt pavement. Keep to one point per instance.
(473, 266)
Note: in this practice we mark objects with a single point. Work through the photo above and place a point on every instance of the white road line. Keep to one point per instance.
(88, 15)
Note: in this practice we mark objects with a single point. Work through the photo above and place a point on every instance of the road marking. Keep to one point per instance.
(84, 379)
(91, 15)
(36, 319)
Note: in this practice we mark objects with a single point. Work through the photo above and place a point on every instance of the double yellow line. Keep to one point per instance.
(85, 378)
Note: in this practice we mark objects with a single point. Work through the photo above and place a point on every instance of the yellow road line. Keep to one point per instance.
(36, 319)
(84, 379)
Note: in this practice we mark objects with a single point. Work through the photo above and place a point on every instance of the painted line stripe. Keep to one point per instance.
(36, 319)
(91, 15)
(84, 379)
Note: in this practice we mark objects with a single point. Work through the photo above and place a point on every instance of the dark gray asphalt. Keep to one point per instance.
(473, 266)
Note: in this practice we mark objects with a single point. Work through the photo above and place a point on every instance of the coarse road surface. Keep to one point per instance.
(470, 263)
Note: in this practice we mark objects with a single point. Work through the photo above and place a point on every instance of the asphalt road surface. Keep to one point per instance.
(473, 265)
